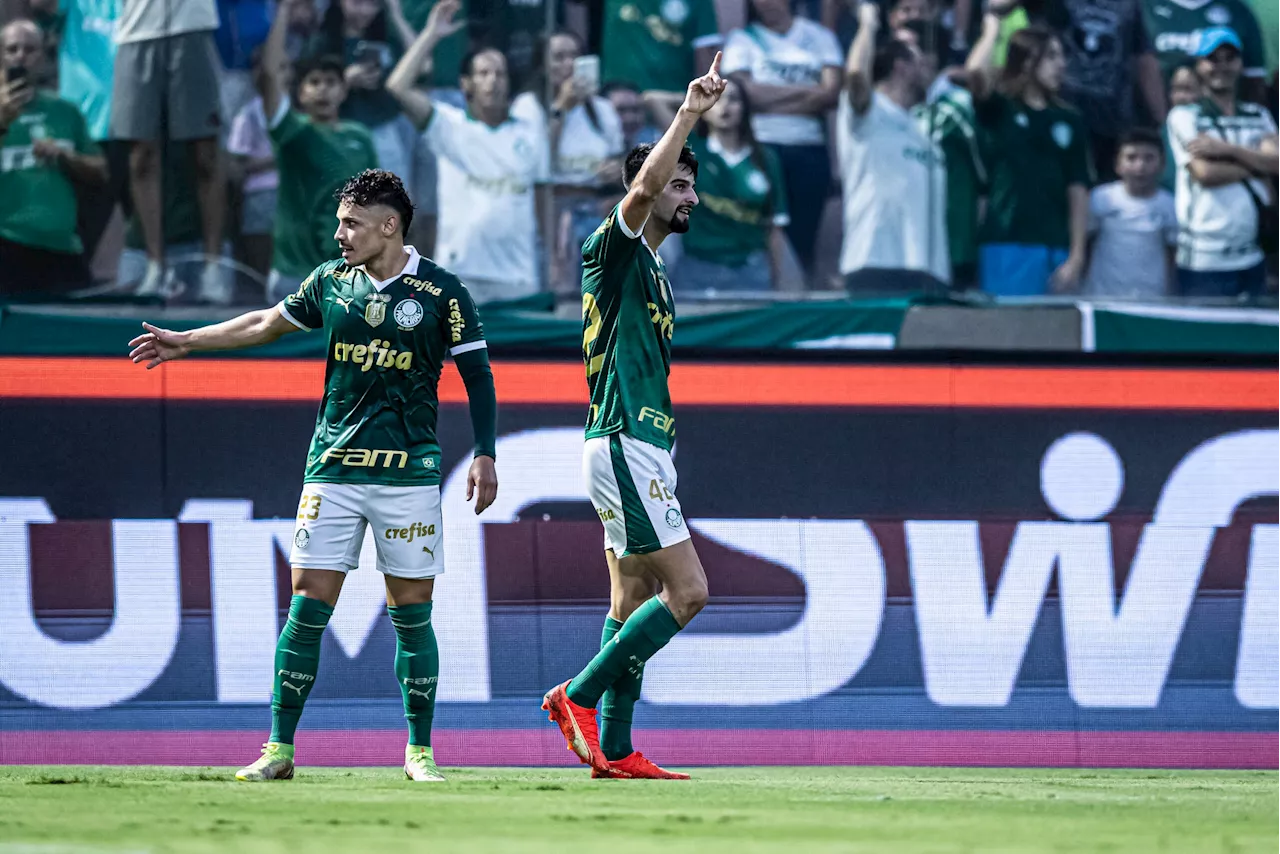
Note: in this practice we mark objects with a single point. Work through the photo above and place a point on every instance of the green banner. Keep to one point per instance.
(1177, 329)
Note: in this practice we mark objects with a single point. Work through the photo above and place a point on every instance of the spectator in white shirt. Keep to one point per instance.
(894, 176)
(789, 68)
(585, 136)
(1133, 225)
(1216, 144)
(491, 163)
(167, 65)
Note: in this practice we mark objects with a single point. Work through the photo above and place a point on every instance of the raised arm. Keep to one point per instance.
(648, 185)
(158, 345)
(417, 61)
(857, 67)
(981, 62)
(275, 58)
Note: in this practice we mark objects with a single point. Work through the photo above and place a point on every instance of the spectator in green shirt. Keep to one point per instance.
(45, 150)
(1035, 235)
(317, 152)
(738, 240)
(658, 44)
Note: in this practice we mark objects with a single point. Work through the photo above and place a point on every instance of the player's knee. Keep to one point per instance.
(688, 600)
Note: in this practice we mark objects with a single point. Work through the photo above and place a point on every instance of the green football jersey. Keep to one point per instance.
(314, 161)
(949, 122)
(386, 345)
(649, 43)
(1033, 156)
(628, 317)
(39, 207)
(1173, 24)
(738, 202)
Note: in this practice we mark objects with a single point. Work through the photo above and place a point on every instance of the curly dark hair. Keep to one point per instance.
(378, 187)
(638, 155)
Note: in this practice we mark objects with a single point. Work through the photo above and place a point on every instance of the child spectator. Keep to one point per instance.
(1133, 225)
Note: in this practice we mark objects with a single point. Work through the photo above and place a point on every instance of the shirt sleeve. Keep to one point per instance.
(446, 132)
(739, 53)
(1097, 206)
(1182, 129)
(459, 320)
(705, 27)
(612, 244)
(542, 153)
(286, 125)
(304, 308)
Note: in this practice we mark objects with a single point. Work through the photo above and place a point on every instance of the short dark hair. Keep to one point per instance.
(378, 187)
(328, 63)
(618, 86)
(1141, 136)
(638, 155)
(467, 68)
(888, 55)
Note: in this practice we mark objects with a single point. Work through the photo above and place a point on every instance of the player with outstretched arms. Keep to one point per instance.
(628, 316)
(390, 317)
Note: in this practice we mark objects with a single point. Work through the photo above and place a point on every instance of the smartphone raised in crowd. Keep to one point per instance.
(16, 74)
(586, 70)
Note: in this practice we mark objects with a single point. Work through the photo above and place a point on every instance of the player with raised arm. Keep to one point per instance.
(628, 317)
(390, 317)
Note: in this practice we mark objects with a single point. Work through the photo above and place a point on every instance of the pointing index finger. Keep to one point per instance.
(715, 65)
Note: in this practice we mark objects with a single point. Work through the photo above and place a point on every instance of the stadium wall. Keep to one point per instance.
(931, 563)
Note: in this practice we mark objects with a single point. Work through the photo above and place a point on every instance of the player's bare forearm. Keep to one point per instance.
(248, 330)
(157, 345)
(660, 165)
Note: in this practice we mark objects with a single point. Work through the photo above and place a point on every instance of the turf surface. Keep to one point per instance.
(52, 810)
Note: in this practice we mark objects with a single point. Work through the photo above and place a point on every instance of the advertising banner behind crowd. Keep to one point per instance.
(909, 563)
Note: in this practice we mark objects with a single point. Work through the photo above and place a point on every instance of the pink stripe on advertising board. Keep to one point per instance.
(544, 747)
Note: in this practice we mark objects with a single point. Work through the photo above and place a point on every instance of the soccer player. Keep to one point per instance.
(390, 316)
(628, 315)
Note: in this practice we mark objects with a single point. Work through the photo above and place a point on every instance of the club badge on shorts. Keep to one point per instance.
(674, 519)
(301, 538)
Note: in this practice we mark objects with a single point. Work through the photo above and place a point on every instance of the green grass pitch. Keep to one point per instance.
(63, 809)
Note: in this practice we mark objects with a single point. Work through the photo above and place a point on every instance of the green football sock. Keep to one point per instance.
(618, 703)
(297, 660)
(644, 633)
(417, 667)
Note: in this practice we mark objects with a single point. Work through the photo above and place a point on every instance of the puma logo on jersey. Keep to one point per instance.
(345, 303)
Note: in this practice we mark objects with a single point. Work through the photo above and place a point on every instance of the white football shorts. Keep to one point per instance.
(405, 522)
(633, 487)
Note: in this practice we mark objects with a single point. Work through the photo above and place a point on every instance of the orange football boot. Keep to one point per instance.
(577, 724)
(636, 767)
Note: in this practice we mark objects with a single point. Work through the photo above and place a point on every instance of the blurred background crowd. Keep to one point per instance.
(187, 150)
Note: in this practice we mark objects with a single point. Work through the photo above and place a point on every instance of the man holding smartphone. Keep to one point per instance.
(45, 149)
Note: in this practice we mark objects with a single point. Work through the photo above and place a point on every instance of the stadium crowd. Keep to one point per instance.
(1107, 148)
